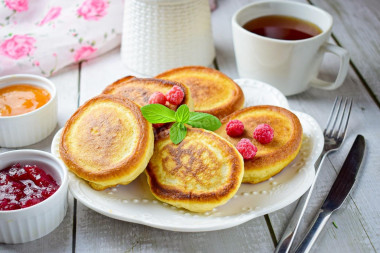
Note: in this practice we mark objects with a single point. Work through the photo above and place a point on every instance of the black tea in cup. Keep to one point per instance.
(282, 27)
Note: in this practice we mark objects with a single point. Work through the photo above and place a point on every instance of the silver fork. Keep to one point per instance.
(334, 134)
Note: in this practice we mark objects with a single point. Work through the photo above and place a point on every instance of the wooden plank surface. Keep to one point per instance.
(356, 28)
(358, 222)
(96, 233)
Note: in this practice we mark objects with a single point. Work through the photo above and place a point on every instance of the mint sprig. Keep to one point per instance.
(182, 114)
(178, 132)
(203, 120)
(156, 113)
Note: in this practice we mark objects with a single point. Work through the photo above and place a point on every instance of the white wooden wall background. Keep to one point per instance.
(356, 26)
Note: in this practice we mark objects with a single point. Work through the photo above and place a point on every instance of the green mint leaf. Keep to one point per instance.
(204, 120)
(182, 114)
(156, 113)
(177, 132)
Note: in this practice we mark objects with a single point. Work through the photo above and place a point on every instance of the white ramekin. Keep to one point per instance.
(26, 129)
(27, 224)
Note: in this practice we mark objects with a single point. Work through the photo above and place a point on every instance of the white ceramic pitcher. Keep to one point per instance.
(162, 34)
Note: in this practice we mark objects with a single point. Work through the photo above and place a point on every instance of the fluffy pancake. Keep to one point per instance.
(107, 141)
(200, 173)
(212, 91)
(270, 158)
(140, 89)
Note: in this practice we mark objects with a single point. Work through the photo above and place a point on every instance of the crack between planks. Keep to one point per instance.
(75, 201)
(74, 226)
(271, 230)
(360, 76)
(356, 70)
(216, 64)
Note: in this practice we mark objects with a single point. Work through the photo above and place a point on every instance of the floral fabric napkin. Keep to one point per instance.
(40, 37)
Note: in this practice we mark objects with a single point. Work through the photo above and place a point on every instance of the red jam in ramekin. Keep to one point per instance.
(22, 186)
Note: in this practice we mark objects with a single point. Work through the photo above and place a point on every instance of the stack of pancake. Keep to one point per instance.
(108, 141)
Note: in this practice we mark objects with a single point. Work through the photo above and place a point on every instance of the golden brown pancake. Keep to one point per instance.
(270, 158)
(140, 89)
(202, 172)
(212, 91)
(107, 141)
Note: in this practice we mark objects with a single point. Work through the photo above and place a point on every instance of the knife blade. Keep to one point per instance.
(338, 193)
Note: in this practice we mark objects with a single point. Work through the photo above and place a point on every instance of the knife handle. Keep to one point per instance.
(315, 229)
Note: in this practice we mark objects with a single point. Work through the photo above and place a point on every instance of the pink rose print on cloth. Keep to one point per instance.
(53, 13)
(93, 9)
(44, 36)
(17, 5)
(83, 53)
(18, 46)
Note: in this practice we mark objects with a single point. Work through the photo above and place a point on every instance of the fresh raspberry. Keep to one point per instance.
(235, 128)
(158, 125)
(246, 148)
(175, 95)
(263, 133)
(157, 98)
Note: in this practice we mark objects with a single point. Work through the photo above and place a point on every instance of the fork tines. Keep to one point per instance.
(340, 116)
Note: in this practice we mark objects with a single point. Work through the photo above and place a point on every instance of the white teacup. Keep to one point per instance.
(291, 66)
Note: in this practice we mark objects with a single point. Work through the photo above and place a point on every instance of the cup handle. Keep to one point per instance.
(343, 68)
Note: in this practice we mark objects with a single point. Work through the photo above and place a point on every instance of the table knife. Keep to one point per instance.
(338, 193)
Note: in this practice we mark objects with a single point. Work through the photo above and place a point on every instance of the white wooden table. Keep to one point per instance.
(358, 221)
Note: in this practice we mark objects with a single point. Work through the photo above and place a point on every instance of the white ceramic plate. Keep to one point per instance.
(135, 203)
(259, 93)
